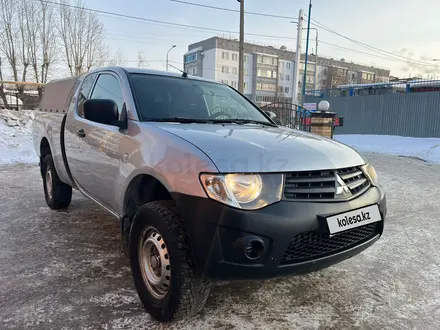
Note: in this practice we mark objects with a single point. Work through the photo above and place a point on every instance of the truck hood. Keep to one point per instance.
(252, 148)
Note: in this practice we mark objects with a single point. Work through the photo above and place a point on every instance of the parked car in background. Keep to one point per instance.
(205, 185)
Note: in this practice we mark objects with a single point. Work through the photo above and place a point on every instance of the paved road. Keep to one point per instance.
(63, 270)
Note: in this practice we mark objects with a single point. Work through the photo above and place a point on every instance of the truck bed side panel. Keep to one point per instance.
(49, 125)
(49, 122)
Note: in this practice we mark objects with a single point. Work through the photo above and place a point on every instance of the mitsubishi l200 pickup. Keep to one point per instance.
(205, 185)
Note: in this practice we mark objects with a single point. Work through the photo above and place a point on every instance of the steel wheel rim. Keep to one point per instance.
(154, 263)
(49, 182)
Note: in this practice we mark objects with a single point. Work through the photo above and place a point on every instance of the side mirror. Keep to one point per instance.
(271, 114)
(101, 111)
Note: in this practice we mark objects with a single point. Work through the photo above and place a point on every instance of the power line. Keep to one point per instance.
(161, 22)
(361, 52)
(406, 59)
(232, 10)
(378, 50)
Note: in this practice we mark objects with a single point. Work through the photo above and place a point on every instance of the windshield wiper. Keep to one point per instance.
(242, 122)
(180, 120)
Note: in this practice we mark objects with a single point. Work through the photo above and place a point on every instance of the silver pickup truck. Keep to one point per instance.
(205, 185)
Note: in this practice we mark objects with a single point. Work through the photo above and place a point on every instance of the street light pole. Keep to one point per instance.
(174, 46)
(307, 51)
(297, 58)
(316, 60)
(241, 50)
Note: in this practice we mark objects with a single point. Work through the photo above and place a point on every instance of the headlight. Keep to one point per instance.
(371, 174)
(245, 191)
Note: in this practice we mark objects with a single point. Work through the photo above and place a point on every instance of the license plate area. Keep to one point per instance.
(352, 219)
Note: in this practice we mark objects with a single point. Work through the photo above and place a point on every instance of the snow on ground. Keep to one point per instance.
(427, 149)
(16, 137)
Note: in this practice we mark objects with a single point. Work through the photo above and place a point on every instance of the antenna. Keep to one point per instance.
(184, 74)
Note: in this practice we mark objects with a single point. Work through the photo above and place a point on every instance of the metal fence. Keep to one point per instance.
(399, 87)
(415, 114)
(20, 95)
(289, 115)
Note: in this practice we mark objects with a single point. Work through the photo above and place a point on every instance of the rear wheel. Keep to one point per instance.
(58, 194)
(162, 264)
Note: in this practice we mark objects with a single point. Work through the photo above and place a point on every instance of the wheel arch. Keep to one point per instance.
(141, 189)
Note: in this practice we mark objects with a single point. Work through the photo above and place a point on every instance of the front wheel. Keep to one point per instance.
(162, 264)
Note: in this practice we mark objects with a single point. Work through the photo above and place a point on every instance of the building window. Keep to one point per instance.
(225, 55)
(245, 85)
(268, 73)
(287, 77)
(286, 90)
(224, 81)
(233, 84)
(282, 65)
(281, 77)
(274, 74)
(225, 69)
(288, 65)
(234, 70)
(266, 87)
(260, 59)
(246, 72)
(274, 60)
(259, 73)
(234, 57)
(191, 58)
(246, 58)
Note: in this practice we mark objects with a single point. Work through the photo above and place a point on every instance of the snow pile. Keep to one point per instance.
(427, 149)
(16, 144)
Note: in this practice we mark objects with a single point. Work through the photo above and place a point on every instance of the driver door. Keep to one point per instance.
(95, 164)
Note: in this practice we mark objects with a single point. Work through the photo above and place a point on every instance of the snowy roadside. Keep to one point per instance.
(16, 144)
(427, 149)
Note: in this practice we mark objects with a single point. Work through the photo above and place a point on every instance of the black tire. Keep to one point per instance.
(59, 195)
(188, 292)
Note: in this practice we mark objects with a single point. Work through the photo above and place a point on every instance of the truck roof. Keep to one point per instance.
(155, 72)
(58, 92)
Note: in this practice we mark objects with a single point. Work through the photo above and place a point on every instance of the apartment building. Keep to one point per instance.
(268, 71)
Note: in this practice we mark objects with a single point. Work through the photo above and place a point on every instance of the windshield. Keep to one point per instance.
(162, 97)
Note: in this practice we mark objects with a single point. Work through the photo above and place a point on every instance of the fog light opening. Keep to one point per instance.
(254, 249)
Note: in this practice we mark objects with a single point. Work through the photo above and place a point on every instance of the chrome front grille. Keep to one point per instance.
(354, 178)
(323, 184)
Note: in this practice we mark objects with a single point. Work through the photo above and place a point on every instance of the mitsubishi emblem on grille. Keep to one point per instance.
(341, 187)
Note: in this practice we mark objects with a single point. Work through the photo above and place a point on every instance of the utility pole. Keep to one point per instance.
(241, 51)
(307, 51)
(297, 58)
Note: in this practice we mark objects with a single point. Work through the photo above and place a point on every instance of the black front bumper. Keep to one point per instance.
(286, 238)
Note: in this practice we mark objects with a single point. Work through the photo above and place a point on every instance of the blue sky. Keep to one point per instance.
(405, 27)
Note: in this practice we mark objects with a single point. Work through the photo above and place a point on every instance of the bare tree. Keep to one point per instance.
(82, 36)
(141, 59)
(2, 89)
(42, 38)
(116, 60)
(10, 34)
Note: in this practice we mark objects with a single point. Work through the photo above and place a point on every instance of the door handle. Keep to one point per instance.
(81, 133)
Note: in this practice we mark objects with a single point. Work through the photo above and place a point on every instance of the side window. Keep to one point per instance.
(107, 87)
(85, 92)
